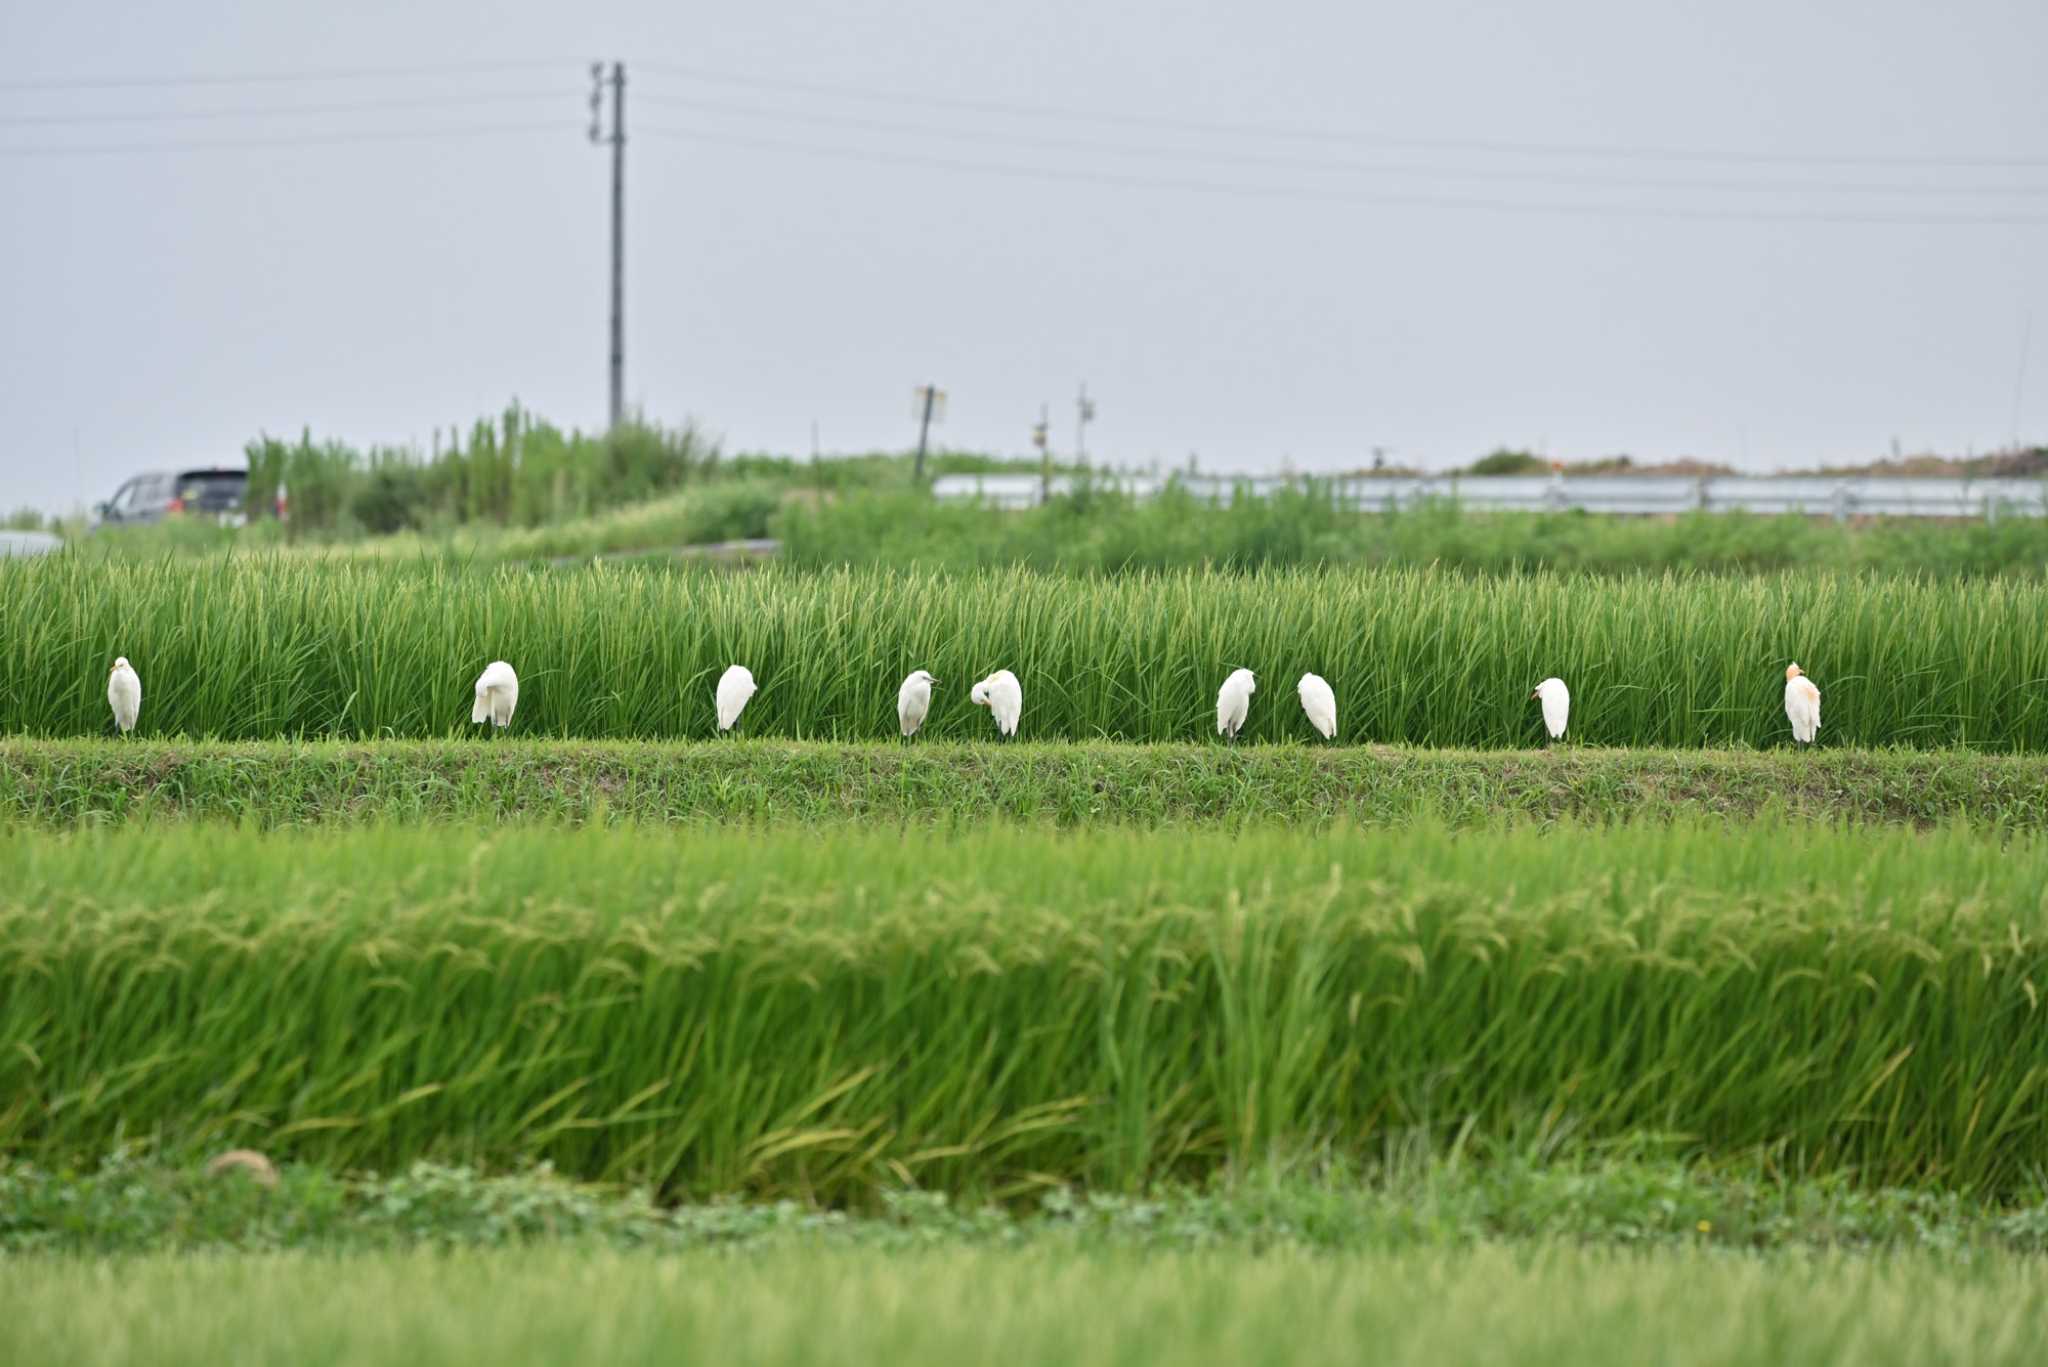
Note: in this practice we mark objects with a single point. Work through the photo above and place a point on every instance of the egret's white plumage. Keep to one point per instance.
(735, 686)
(124, 694)
(1003, 696)
(1557, 705)
(1802, 705)
(913, 700)
(1320, 702)
(1233, 700)
(497, 693)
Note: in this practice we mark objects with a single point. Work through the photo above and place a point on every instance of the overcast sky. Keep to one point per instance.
(1764, 232)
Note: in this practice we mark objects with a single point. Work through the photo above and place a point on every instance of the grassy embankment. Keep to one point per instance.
(1405, 1199)
(263, 649)
(766, 1012)
(60, 783)
(863, 513)
(1107, 534)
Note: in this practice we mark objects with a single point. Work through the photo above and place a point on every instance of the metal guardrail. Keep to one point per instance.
(1841, 499)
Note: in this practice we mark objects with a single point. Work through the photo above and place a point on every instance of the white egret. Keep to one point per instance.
(1802, 705)
(1557, 705)
(735, 686)
(1003, 696)
(124, 694)
(913, 700)
(1320, 702)
(497, 693)
(1233, 700)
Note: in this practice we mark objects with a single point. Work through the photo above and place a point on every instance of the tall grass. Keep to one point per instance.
(775, 1013)
(268, 647)
(518, 471)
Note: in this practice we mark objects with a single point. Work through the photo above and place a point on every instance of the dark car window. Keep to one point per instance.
(128, 496)
(212, 490)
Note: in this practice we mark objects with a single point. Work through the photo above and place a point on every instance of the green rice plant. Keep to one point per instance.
(277, 646)
(801, 1305)
(785, 1013)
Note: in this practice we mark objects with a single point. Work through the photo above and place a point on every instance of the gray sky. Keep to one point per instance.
(1259, 232)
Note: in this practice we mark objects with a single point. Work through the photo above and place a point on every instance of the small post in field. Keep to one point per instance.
(929, 402)
(1042, 440)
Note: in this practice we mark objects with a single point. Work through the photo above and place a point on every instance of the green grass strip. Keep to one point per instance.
(131, 1205)
(60, 783)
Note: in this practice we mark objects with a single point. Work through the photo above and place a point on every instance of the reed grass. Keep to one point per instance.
(774, 1013)
(276, 647)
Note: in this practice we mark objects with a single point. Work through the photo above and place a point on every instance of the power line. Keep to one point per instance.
(1327, 135)
(1338, 196)
(299, 140)
(1256, 160)
(282, 110)
(280, 77)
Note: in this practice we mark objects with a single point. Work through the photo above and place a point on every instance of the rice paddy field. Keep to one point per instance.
(256, 649)
(1672, 1041)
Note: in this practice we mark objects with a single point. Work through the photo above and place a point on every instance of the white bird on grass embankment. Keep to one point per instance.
(1557, 706)
(735, 686)
(1233, 700)
(1319, 700)
(913, 700)
(497, 693)
(1003, 696)
(124, 694)
(1802, 705)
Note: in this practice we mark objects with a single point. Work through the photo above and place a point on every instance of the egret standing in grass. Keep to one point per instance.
(1319, 700)
(913, 700)
(735, 686)
(497, 693)
(1233, 700)
(1557, 706)
(1003, 696)
(1802, 704)
(124, 694)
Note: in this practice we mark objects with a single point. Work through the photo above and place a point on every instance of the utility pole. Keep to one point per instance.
(1084, 413)
(927, 401)
(618, 142)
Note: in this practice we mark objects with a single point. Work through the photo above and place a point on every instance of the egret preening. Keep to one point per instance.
(913, 700)
(1003, 696)
(1233, 700)
(124, 694)
(497, 693)
(735, 686)
(1557, 706)
(1802, 704)
(1320, 702)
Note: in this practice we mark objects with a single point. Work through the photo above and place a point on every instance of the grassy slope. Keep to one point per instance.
(1489, 1304)
(772, 1012)
(283, 783)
